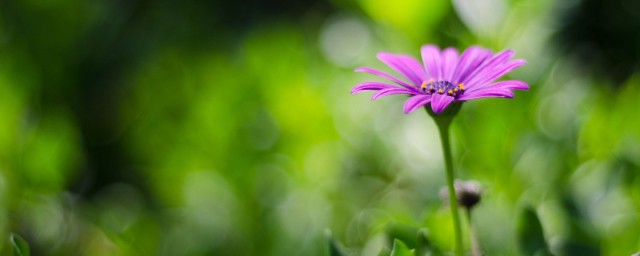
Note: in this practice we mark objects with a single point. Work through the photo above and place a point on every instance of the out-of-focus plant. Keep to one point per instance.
(20, 246)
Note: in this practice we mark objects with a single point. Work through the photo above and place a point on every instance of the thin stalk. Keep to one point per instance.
(443, 128)
(475, 245)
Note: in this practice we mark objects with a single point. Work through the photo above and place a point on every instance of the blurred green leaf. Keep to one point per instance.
(20, 246)
(424, 246)
(530, 234)
(403, 232)
(412, 17)
(335, 249)
(582, 238)
(400, 249)
(384, 252)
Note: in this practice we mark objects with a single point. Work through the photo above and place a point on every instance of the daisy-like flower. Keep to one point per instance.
(444, 77)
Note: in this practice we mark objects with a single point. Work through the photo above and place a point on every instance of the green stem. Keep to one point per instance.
(443, 128)
(475, 245)
(443, 121)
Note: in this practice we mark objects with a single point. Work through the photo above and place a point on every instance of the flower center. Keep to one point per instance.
(442, 87)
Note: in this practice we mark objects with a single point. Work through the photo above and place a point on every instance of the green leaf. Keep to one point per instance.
(400, 249)
(530, 234)
(384, 252)
(335, 249)
(424, 245)
(582, 238)
(20, 246)
(403, 232)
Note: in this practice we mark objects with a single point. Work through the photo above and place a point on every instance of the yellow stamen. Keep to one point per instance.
(461, 86)
(440, 91)
(455, 89)
(431, 89)
(450, 92)
(430, 81)
(423, 86)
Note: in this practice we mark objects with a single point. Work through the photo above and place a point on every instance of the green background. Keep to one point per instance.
(227, 128)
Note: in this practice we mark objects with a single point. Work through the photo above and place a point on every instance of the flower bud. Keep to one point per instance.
(468, 193)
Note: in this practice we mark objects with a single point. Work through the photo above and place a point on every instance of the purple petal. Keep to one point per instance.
(486, 93)
(449, 62)
(509, 85)
(469, 61)
(415, 66)
(391, 91)
(384, 75)
(440, 102)
(405, 65)
(489, 64)
(370, 86)
(431, 59)
(495, 73)
(416, 102)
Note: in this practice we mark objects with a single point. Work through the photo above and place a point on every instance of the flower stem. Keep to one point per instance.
(475, 245)
(443, 128)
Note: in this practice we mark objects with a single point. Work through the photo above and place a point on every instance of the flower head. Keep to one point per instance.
(444, 77)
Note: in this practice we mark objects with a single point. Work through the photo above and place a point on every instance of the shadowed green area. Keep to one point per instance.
(227, 128)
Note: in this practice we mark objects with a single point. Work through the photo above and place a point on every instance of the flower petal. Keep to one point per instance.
(415, 66)
(509, 85)
(405, 65)
(391, 91)
(431, 59)
(495, 73)
(440, 102)
(384, 75)
(469, 61)
(416, 102)
(449, 62)
(488, 65)
(486, 93)
(370, 86)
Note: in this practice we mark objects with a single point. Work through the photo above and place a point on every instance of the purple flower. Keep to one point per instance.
(445, 77)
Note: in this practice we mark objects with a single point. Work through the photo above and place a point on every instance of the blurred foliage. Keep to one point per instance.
(227, 128)
(400, 249)
(531, 235)
(20, 247)
(604, 35)
(335, 249)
